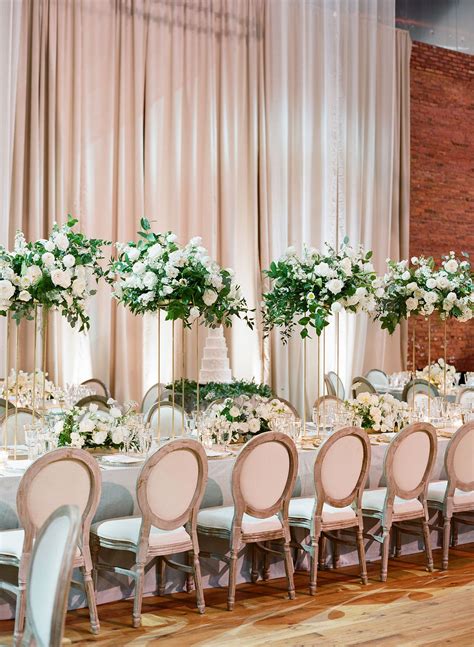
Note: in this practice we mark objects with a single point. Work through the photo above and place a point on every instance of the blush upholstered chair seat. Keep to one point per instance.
(407, 467)
(169, 491)
(455, 495)
(61, 477)
(340, 473)
(263, 478)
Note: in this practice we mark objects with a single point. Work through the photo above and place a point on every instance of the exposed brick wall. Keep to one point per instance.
(442, 181)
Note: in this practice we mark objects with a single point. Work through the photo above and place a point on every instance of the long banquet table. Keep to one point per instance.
(118, 500)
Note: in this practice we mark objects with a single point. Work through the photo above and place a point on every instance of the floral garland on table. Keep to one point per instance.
(382, 413)
(93, 428)
(57, 273)
(243, 417)
(420, 288)
(215, 390)
(434, 373)
(157, 272)
(308, 289)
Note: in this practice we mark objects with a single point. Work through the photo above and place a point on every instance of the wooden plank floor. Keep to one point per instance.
(413, 608)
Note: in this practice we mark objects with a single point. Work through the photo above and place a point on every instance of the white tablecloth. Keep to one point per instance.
(118, 499)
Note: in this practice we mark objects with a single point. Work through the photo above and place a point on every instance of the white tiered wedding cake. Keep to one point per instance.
(215, 365)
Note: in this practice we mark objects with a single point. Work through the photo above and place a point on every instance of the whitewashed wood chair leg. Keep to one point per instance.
(446, 539)
(254, 572)
(314, 560)
(322, 552)
(95, 548)
(91, 599)
(20, 612)
(232, 577)
(427, 538)
(335, 552)
(198, 583)
(189, 576)
(289, 568)
(266, 565)
(362, 560)
(455, 532)
(385, 552)
(137, 602)
(398, 542)
(161, 570)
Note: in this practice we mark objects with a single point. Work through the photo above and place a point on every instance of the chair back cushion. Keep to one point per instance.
(162, 414)
(459, 459)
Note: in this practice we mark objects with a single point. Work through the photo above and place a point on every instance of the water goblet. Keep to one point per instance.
(32, 440)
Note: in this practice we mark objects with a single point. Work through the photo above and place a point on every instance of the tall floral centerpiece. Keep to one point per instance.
(156, 273)
(307, 290)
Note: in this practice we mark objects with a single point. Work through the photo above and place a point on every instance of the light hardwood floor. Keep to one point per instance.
(413, 608)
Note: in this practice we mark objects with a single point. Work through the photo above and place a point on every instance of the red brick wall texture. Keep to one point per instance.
(442, 182)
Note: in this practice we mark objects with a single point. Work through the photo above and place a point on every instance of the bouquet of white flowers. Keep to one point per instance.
(25, 385)
(57, 272)
(158, 273)
(309, 289)
(435, 372)
(95, 429)
(455, 286)
(379, 412)
(241, 418)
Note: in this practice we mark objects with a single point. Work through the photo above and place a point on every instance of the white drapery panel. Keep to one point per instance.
(254, 124)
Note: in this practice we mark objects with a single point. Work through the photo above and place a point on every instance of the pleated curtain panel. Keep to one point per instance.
(254, 124)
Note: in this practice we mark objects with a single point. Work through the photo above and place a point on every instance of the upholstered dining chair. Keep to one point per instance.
(15, 424)
(290, 406)
(336, 384)
(151, 396)
(407, 467)
(361, 385)
(330, 403)
(465, 396)
(170, 419)
(419, 386)
(98, 386)
(377, 378)
(64, 476)
(49, 578)
(99, 400)
(340, 474)
(263, 479)
(455, 495)
(3, 406)
(169, 491)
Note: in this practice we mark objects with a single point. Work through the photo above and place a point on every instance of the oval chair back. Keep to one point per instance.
(409, 461)
(338, 386)
(377, 378)
(98, 386)
(341, 468)
(290, 406)
(3, 406)
(64, 476)
(15, 424)
(264, 476)
(49, 577)
(419, 386)
(151, 396)
(171, 420)
(171, 485)
(328, 403)
(459, 460)
(99, 400)
(329, 386)
(361, 385)
(466, 396)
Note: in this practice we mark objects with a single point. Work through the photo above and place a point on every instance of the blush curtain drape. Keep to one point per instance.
(254, 124)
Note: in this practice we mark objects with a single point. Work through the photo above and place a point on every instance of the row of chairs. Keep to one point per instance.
(171, 486)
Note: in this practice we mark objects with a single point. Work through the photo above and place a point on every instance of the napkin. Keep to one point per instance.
(122, 458)
(17, 466)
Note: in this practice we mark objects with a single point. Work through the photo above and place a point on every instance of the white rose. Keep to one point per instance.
(61, 278)
(93, 407)
(216, 281)
(451, 296)
(24, 295)
(442, 282)
(48, 259)
(412, 286)
(99, 437)
(412, 303)
(194, 313)
(150, 279)
(171, 271)
(69, 260)
(430, 297)
(78, 287)
(368, 267)
(115, 412)
(132, 253)
(335, 286)
(171, 238)
(234, 411)
(7, 290)
(117, 436)
(346, 266)
(405, 276)
(414, 260)
(196, 241)
(76, 440)
(61, 241)
(379, 292)
(451, 266)
(209, 297)
(322, 269)
(254, 425)
(336, 307)
(86, 425)
(34, 274)
(139, 267)
(431, 283)
(49, 246)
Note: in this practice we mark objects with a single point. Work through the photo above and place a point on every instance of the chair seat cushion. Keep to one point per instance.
(127, 530)
(11, 542)
(220, 518)
(375, 499)
(437, 490)
(302, 509)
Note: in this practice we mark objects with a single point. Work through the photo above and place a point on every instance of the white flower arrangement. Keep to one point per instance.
(241, 418)
(158, 273)
(381, 413)
(93, 428)
(22, 385)
(434, 373)
(419, 288)
(308, 289)
(55, 273)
